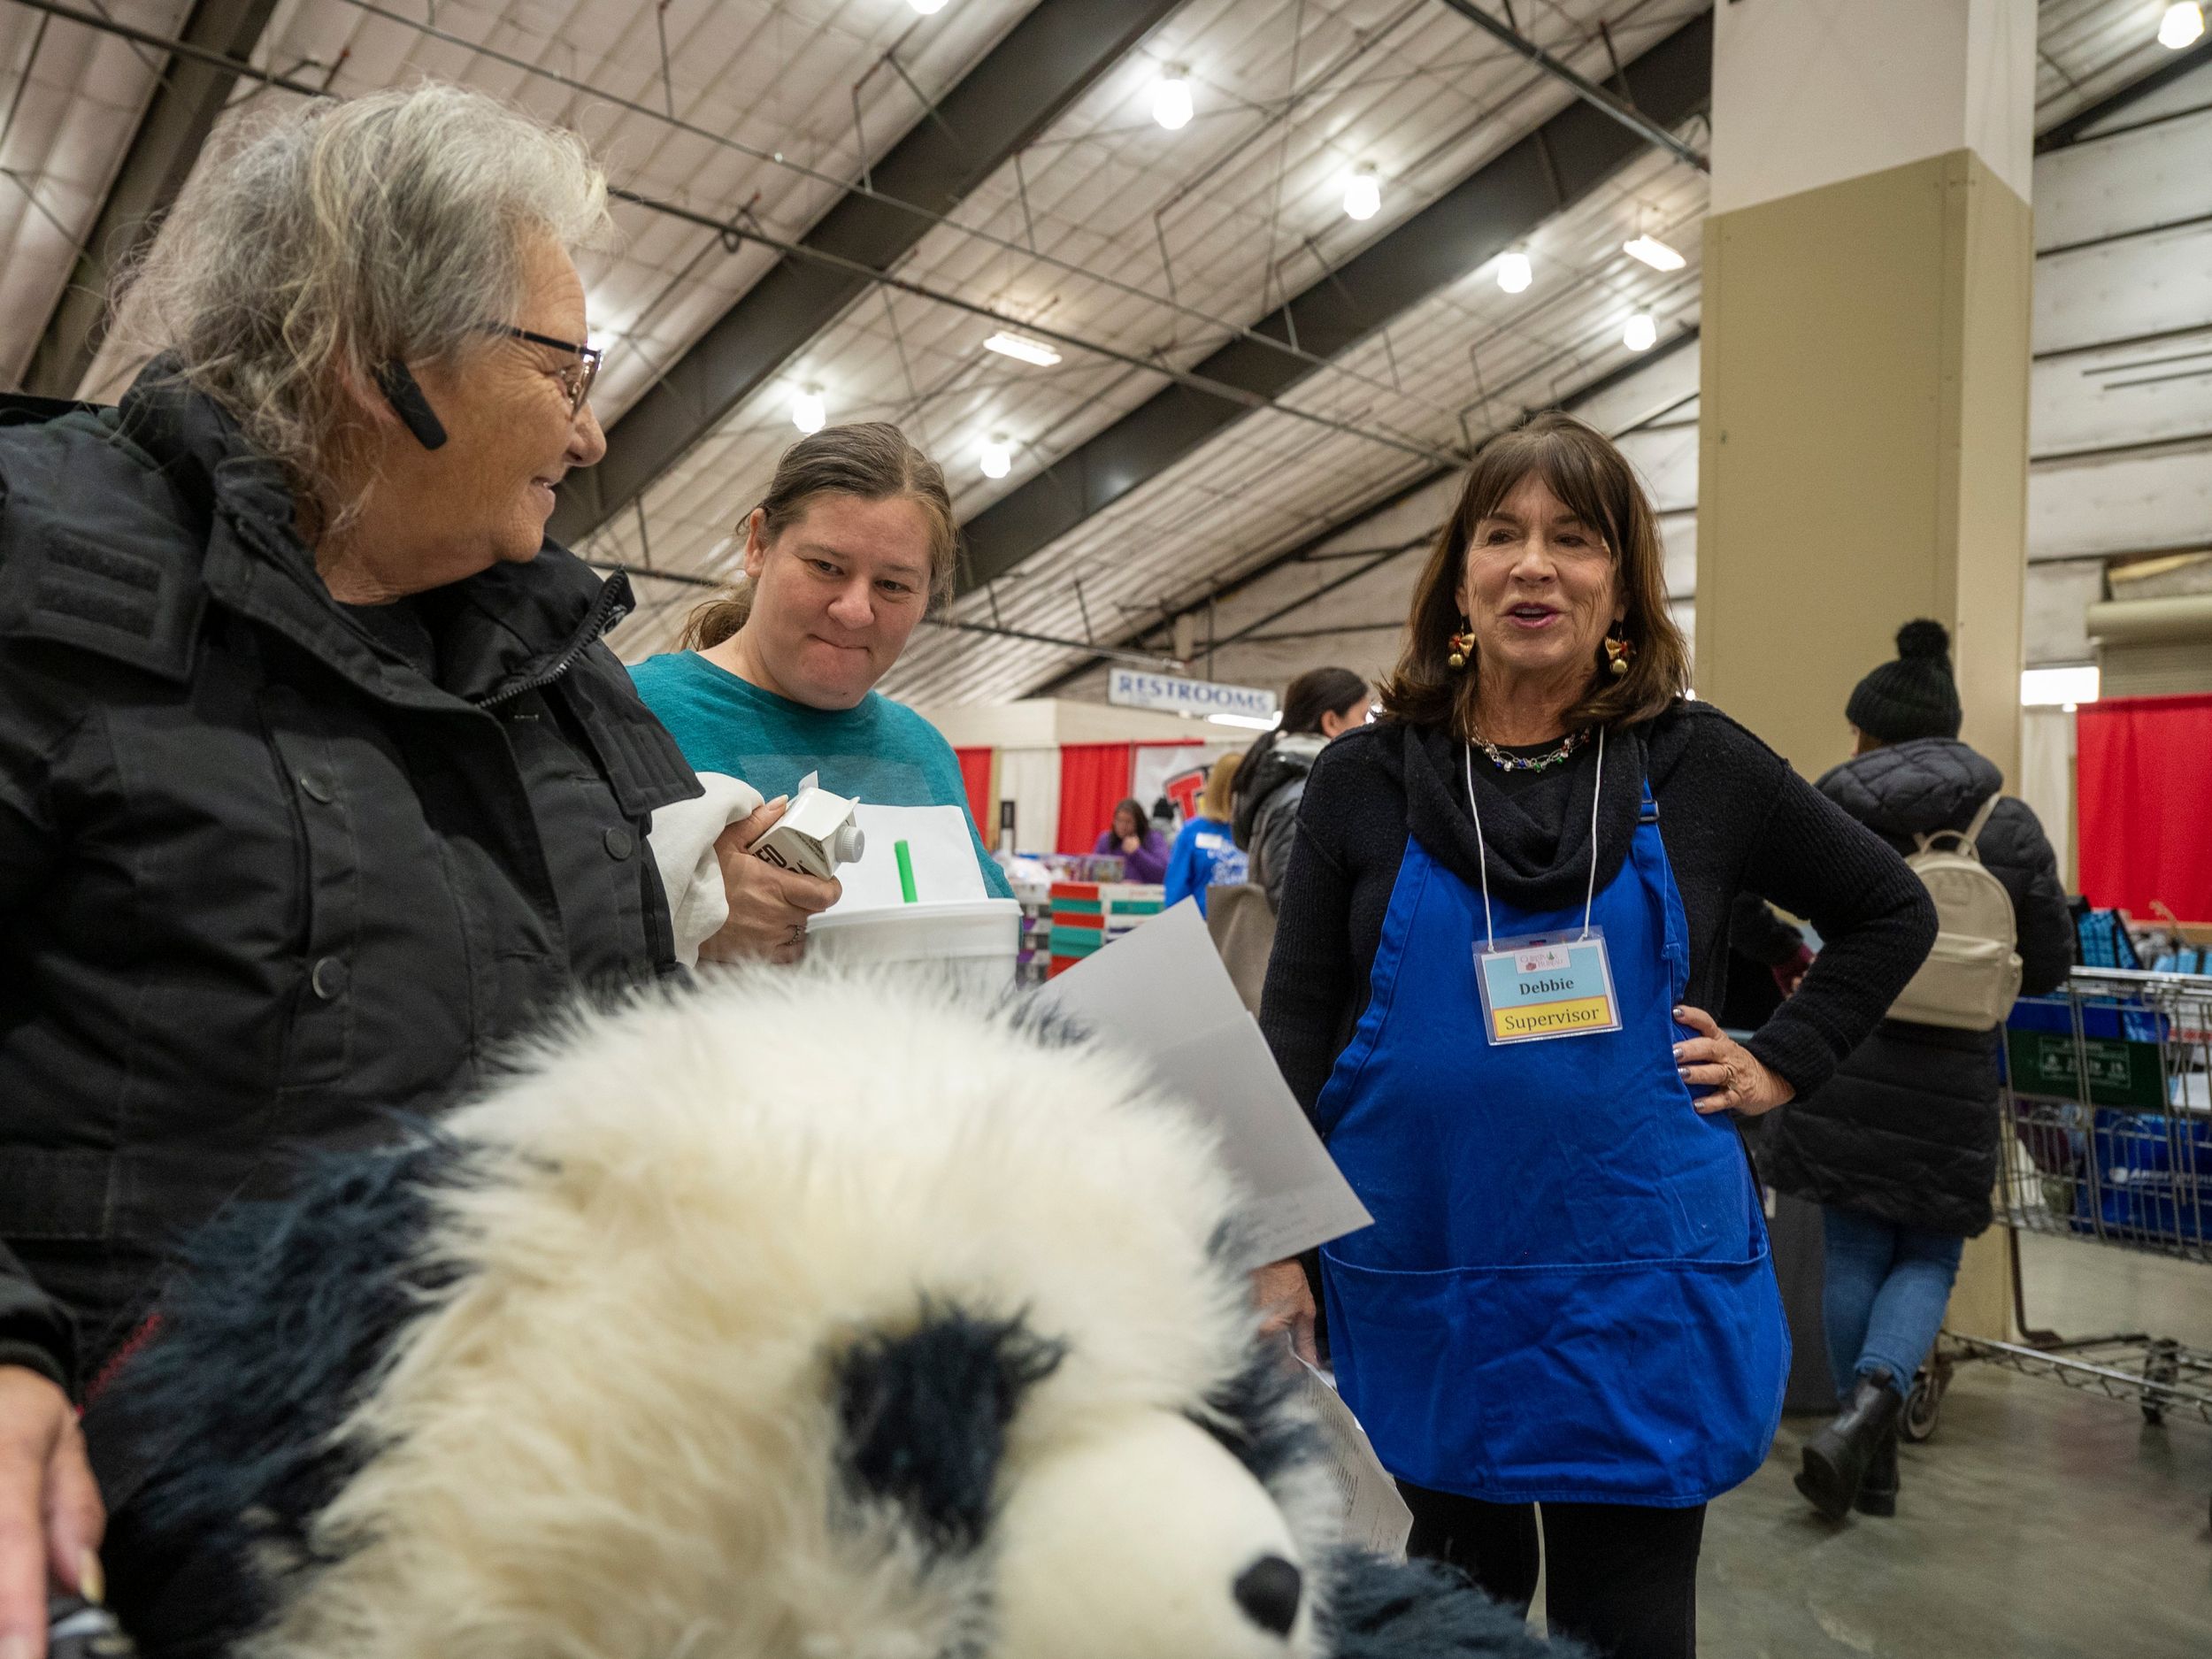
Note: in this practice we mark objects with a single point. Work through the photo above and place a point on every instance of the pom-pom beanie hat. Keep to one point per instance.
(1914, 696)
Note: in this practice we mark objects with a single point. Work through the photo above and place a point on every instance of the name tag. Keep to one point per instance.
(1545, 986)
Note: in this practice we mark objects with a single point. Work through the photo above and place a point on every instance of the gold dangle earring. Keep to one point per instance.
(1462, 644)
(1619, 652)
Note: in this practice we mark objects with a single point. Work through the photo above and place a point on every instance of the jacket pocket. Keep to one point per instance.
(1637, 1382)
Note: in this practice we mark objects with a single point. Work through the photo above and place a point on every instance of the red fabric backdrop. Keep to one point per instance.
(975, 773)
(2145, 792)
(1094, 781)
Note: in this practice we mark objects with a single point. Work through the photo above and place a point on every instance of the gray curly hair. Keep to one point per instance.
(338, 236)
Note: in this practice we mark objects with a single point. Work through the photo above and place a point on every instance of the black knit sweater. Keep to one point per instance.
(1733, 815)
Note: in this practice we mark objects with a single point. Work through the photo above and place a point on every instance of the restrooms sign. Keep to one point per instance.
(1132, 688)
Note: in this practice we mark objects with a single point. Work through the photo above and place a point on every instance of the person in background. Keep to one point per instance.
(843, 557)
(1900, 1147)
(318, 787)
(1141, 848)
(1566, 1298)
(1205, 851)
(1321, 704)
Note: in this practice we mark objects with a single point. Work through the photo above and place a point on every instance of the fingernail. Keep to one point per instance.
(1678, 1050)
(782, 800)
(92, 1581)
(1679, 1012)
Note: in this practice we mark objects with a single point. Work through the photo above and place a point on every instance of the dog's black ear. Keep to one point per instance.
(1423, 1610)
(923, 1416)
(1250, 1415)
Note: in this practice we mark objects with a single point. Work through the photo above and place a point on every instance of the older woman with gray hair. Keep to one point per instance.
(316, 782)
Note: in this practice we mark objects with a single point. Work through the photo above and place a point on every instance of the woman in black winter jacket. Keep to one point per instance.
(1321, 704)
(318, 787)
(1900, 1149)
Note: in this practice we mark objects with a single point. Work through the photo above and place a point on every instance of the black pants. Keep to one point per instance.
(1620, 1577)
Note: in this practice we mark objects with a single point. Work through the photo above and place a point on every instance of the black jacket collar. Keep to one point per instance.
(506, 627)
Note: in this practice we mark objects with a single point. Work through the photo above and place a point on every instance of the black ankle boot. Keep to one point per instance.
(1836, 1458)
(1878, 1488)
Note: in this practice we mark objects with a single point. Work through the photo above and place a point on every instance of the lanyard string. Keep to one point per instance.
(1482, 853)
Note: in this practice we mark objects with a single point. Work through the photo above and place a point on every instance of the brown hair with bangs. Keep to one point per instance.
(1596, 482)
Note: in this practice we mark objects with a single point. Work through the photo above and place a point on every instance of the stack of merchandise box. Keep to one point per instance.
(1088, 916)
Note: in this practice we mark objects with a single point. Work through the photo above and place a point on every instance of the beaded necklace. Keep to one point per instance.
(1504, 762)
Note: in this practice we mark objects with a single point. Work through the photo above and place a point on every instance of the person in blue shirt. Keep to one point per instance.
(843, 556)
(1205, 852)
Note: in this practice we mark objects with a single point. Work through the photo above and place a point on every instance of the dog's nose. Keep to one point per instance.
(1268, 1593)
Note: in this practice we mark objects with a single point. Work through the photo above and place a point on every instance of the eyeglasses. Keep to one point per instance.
(575, 378)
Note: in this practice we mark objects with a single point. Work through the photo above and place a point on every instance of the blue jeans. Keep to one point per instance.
(1886, 1291)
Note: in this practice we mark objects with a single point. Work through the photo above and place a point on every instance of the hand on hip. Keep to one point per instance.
(1731, 1074)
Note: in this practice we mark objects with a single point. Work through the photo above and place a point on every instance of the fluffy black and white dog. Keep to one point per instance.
(799, 1318)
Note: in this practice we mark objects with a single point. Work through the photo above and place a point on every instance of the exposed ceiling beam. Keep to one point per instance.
(2075, 126)
(737, 231)
(1596, 96)
(1307, 547)
(1504, 200)
(1044, 63)
(187, 98)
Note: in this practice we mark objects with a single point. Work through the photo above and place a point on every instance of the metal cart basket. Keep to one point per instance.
(2105, 1128)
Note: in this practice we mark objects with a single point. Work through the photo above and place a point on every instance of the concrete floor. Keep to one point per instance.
(2036, 1523)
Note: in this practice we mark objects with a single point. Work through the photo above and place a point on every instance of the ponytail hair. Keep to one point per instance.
(1316, 692)
(871, 460)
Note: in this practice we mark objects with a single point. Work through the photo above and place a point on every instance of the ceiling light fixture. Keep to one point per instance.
(1641, 333)
(927, 8)
(1515, 272)
(1250, 722)
(1171, 98)
(2181, 26)
(809, 414)
(1654, 253)
(998, 458)
(1022, 349)
(1362, 196)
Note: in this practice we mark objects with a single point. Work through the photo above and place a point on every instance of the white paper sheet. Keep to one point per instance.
(1375, 1517)
(1162, 992)
(937, 839)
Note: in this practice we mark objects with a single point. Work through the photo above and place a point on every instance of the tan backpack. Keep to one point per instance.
(1971, 978)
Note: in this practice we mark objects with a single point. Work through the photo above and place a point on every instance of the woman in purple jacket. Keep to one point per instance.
(1143, 850)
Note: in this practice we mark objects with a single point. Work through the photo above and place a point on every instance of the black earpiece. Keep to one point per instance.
(403, 393)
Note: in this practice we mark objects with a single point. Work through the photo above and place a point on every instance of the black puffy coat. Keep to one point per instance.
(264, 883)
(1907, 1129)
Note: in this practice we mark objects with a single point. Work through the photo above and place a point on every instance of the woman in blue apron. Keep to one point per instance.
(1507, 910)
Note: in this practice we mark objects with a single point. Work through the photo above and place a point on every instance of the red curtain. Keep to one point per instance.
(975, 774)
(2145, 793)
(1094, 781)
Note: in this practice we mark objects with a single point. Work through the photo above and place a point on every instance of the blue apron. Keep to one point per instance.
(1566, 1295)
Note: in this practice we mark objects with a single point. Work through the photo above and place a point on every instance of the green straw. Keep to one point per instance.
(906, 872)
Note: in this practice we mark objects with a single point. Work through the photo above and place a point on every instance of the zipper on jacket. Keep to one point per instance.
(608, 609)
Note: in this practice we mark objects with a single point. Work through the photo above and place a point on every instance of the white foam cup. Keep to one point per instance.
(975, 940)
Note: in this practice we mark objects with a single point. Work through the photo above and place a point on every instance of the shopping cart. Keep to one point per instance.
(2106, 1127)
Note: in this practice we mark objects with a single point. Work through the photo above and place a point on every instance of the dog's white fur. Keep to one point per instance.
(615, 1436)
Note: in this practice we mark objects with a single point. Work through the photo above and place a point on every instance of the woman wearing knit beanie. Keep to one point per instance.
(1899, 1146)
(1914, 696)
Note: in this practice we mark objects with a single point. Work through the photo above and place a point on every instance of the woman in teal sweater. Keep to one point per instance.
(842, 558)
